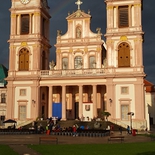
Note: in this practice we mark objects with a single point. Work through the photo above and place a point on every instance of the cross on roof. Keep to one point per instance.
(78, 3)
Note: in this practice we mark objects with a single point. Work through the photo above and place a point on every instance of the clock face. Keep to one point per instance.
(25, 1)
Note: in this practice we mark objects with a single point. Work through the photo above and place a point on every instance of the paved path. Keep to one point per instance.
(19, 142)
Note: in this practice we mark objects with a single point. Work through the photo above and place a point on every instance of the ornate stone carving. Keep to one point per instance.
(59, 32)
(51, 65)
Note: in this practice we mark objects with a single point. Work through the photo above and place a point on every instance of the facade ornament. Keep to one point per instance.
(94, 64)
(98, 30)
(51, 65)
(123, 38)
(78, 32)
(24, 44)
(65, 64)
(78, 3)
(59, 32)
(69, 13)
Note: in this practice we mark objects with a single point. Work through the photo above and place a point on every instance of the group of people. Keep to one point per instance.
(128, 130)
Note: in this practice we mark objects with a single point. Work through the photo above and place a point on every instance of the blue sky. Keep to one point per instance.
(59, 10)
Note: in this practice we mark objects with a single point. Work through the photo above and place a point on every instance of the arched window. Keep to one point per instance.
(78, 62)
(124, 55)
(64, 63)
(92, 62)
(78, 32)
(43, 60)
(24, 60)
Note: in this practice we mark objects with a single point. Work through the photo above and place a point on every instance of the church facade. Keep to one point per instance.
(90, 76)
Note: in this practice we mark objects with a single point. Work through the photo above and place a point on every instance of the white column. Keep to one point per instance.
(63, 103)
(50, 101)
(94, 100)
(80, 101)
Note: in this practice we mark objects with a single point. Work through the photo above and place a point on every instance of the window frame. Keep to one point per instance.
(123, 91)
(22, 92)
(24, 59)
(3, 98)
(25, 24)
(78, 62)
(123, 15)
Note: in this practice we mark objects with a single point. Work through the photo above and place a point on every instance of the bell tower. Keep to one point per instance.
(124, 39)
(29, 53)
(124, 34)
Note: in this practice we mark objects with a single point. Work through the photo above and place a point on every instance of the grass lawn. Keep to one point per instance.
(97, 149)
(6, 150)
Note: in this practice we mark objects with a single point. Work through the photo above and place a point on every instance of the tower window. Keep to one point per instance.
(124, 55)
(44, 27)
(3, 98)
(25, 19)
(43, 60)
(24, 60)
(123, 13)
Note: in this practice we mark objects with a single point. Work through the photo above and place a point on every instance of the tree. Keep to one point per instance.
(106, 114)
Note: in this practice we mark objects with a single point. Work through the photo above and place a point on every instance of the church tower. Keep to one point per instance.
(124, 39)
(29, 53)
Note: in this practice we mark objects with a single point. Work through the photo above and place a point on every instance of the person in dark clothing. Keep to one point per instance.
(120, 130)
(128, 129)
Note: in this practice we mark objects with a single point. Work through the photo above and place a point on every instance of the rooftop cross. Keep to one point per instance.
(78, 3)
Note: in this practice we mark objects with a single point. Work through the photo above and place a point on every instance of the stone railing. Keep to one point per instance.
(72, 72)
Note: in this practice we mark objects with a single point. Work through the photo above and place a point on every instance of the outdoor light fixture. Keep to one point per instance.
(110, 100)
(33, 101)
(131, 114)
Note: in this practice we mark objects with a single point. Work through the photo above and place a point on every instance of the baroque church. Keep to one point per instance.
(89, 76)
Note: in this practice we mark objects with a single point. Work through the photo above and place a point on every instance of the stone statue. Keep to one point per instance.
(65, 65)
(78, 33)
(51, 65)
(59, 32)
(98, 30)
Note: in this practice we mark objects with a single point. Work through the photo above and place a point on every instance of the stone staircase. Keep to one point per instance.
(70, 123)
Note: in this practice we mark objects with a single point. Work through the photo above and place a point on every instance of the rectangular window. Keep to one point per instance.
(25, 20)
(3, 98)
(123, 16)
(22, 92)
(124, 90)
(22, 112)
(44, 27)
(124, 112)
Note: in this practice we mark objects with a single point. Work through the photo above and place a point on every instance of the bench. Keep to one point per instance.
(120, 138)
(49, 139)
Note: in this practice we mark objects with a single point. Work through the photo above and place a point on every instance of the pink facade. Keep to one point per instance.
(107, 75)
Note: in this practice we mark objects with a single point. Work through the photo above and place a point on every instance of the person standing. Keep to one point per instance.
(128, 129)
(120, 130)
(74, 130)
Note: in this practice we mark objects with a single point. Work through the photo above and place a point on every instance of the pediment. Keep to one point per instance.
(78, 14)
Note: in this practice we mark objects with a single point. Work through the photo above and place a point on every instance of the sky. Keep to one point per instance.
(59, 10)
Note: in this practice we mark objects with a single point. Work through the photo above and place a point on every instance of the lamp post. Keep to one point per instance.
(131, 114)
